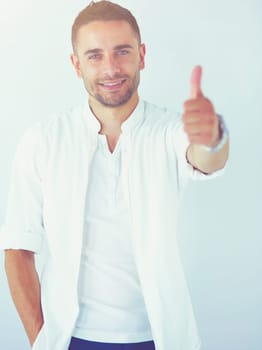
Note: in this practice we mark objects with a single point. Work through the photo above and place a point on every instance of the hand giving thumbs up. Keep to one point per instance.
(200, 120)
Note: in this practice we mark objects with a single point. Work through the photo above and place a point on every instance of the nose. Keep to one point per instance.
(110, 65)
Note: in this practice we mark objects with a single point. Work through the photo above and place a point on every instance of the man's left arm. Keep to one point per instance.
(209, 144)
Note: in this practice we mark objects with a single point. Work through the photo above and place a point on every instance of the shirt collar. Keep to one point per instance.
(130, 123)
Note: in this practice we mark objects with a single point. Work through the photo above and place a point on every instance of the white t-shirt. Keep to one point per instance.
(112, 307)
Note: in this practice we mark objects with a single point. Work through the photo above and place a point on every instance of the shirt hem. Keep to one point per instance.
(113, 338)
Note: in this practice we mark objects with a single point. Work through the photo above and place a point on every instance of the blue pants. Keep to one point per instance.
(80, 344)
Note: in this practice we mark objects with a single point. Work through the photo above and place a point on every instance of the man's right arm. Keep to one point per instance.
(25, 289)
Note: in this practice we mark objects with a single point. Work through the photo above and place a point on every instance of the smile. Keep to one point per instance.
(112, 85)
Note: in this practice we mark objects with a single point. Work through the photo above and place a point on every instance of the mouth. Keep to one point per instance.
(112, 85)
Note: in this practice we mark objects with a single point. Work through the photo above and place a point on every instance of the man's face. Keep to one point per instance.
(109, 59)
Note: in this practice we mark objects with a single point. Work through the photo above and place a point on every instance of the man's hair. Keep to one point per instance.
(103, 11)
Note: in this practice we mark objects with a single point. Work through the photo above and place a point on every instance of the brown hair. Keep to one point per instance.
(103, 11)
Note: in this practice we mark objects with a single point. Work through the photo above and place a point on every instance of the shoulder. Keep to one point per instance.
(56, 128)
(56, 123)
(160, 116)
(63, 121)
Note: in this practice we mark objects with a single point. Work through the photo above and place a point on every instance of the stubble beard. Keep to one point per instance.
(117, 99)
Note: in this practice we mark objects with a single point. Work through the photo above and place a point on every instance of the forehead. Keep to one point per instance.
(109, 33)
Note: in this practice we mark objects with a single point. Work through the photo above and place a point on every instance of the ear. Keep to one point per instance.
(142, 52)
(75, 62)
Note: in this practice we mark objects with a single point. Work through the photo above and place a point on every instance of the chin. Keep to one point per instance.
(113, 103)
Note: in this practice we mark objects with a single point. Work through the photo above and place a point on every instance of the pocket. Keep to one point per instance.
(39, 343)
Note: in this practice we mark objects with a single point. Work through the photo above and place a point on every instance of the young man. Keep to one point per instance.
(101, 186)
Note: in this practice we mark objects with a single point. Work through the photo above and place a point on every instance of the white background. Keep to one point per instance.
(220, 229)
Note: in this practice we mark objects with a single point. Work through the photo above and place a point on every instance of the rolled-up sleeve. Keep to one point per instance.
(23, 226)
(185, 170)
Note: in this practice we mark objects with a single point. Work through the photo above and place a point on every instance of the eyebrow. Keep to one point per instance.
(121, 47)
(118, 47)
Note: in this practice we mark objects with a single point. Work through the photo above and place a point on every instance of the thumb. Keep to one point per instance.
(195, 84)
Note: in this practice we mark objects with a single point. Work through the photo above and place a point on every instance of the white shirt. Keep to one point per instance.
(112, 307)
(47, 202)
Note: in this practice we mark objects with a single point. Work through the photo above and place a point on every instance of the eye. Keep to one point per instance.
(94, 56)
(123, 52)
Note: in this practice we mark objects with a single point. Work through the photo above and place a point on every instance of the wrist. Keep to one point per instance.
(223, 137)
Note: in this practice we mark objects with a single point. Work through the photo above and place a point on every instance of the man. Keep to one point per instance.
(101, 186)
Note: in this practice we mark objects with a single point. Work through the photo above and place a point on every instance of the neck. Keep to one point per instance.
(113, 115)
